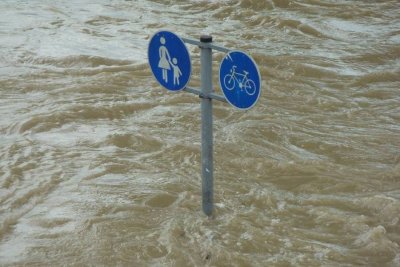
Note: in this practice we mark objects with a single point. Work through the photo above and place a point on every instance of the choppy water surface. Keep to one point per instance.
(101, 166)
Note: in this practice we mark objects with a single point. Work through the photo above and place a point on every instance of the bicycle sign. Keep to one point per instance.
(240, 80)
(235, 78)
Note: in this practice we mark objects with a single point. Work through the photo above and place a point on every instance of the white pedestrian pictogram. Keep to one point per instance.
(166, 63)
(176, 70)
(165, 60)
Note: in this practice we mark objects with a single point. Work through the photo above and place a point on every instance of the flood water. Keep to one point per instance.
(100, 166)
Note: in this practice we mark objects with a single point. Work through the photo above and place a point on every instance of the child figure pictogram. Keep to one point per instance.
(176, 70)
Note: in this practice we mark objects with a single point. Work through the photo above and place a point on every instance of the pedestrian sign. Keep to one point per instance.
(169, 60)
(240, 80)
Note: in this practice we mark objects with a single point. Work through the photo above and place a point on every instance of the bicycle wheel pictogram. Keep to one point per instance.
(250, 87)
(229, 82)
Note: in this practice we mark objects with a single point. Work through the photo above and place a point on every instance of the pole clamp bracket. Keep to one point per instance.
(204, 96)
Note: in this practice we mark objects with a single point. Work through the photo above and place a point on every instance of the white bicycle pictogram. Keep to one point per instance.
(234, 78)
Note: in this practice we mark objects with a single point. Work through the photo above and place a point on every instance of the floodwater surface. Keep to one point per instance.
(100, 166)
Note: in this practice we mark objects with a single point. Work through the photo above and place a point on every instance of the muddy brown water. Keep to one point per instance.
(100, 166)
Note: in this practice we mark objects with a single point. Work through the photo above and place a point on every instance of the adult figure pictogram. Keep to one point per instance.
(165, 59)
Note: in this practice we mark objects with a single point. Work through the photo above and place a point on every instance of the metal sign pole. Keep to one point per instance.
(239, 79)
(206, 126)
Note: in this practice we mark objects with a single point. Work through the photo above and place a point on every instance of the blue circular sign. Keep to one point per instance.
(240, 80)
(169, 60)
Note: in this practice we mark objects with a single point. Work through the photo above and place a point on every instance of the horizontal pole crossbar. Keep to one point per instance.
(206, 45)
(198, 91)
(201, 95)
